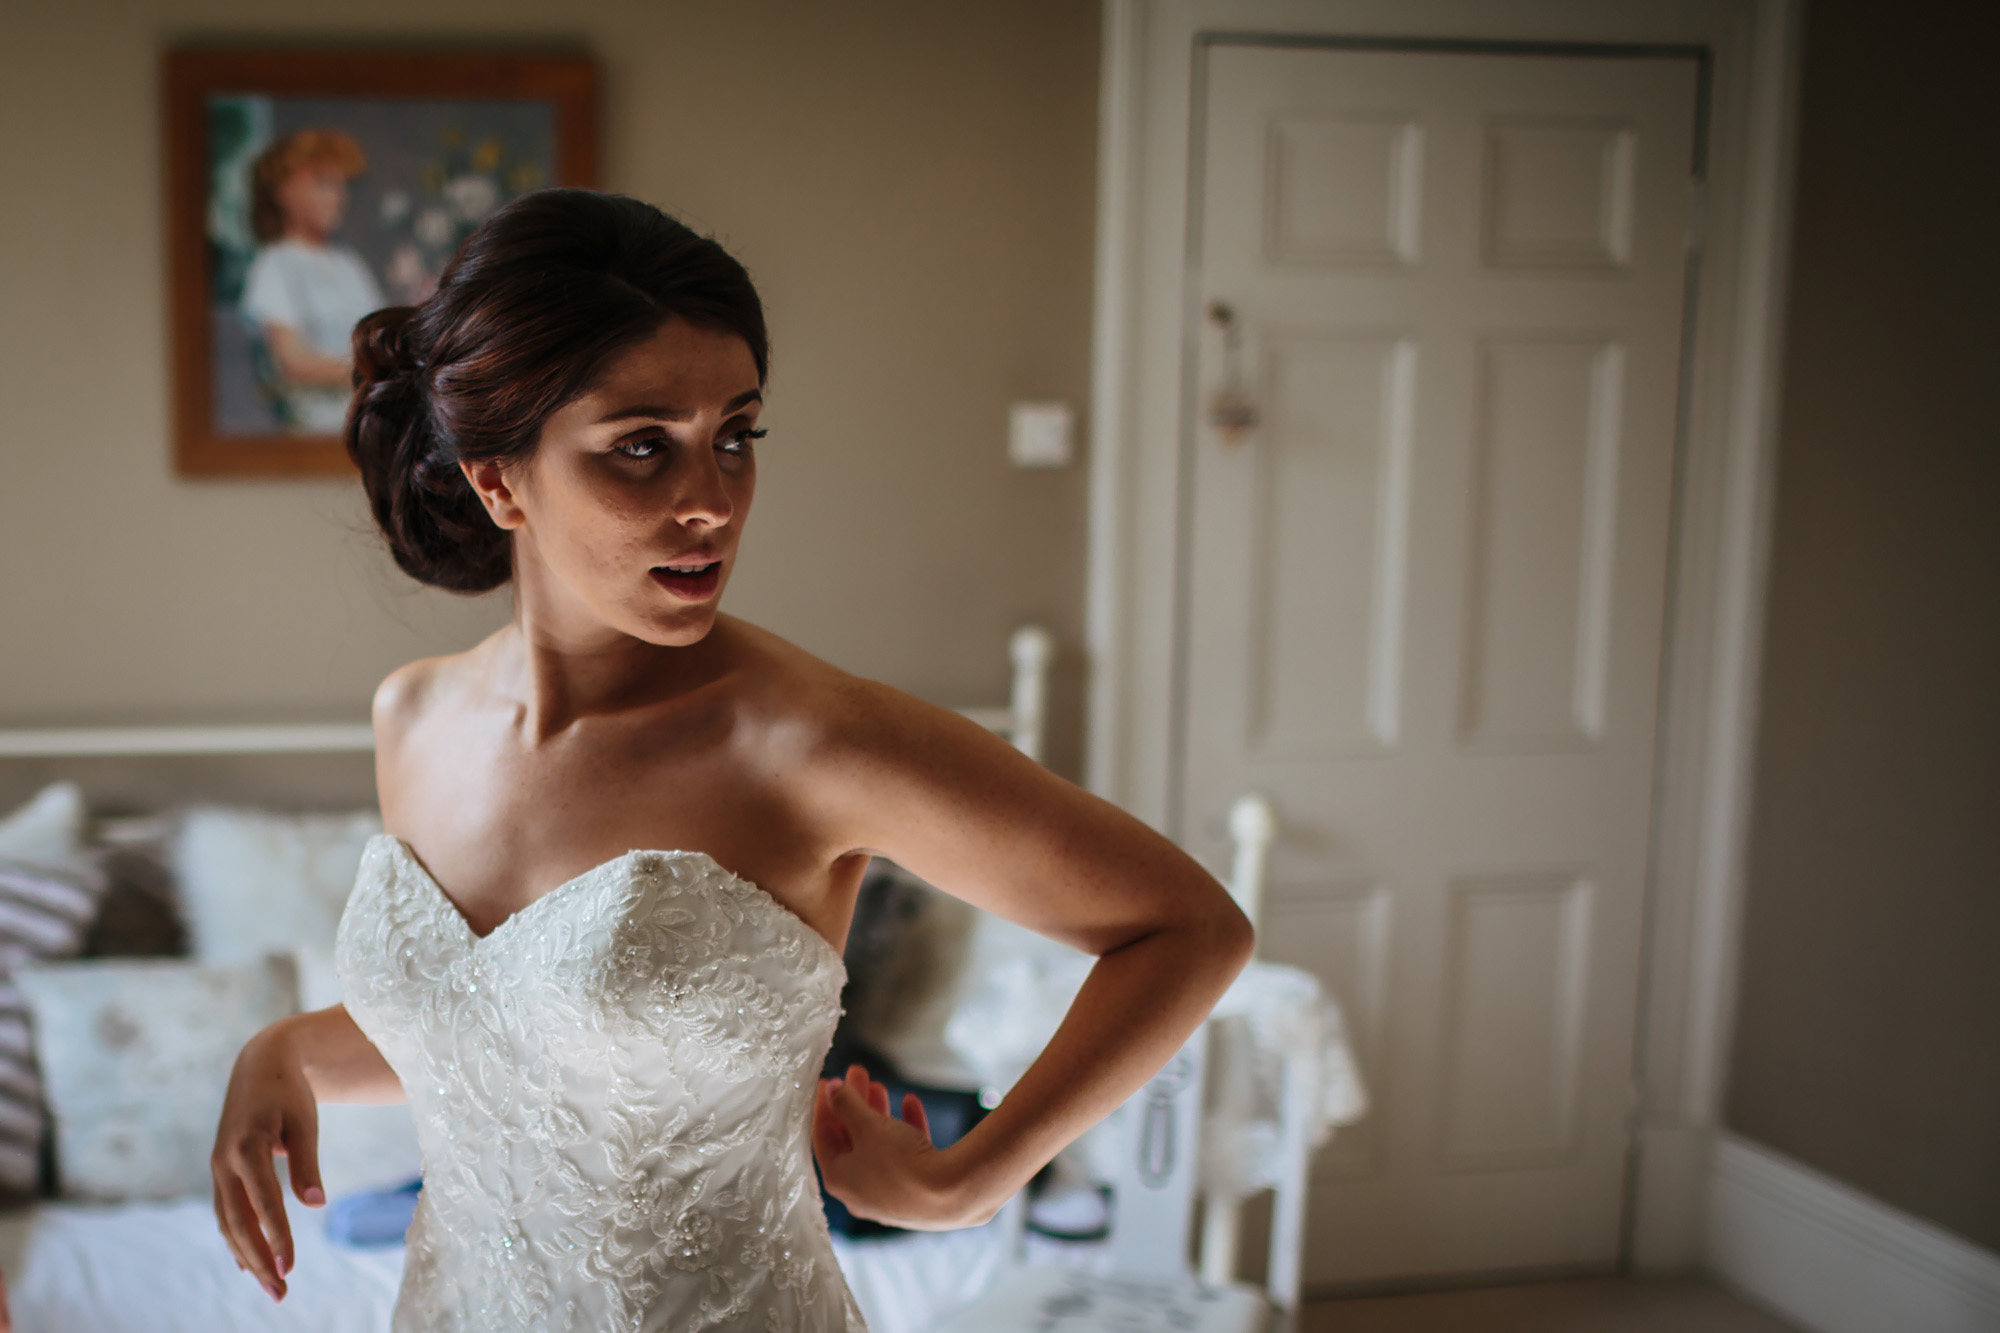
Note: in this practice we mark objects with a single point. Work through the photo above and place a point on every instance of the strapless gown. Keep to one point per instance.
(613, 1094)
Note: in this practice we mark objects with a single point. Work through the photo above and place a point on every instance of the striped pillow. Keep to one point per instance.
(44, 911)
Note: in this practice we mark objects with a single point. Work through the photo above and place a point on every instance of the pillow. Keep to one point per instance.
(362, 1146)
(139, 915)
(135, 1056)
(48, 828)
(905, 955)
(914, 955)
(253, 882)
(44, 911)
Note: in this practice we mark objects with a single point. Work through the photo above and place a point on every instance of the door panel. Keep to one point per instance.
(1330, 536)
(1425, 604)
(1544, 522)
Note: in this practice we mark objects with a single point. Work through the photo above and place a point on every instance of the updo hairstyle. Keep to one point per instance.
(526, 316)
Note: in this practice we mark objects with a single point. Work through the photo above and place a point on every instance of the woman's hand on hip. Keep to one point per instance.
(269, 1109)
(885, 1169)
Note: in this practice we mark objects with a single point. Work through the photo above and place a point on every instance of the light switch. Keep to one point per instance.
(1038, 435)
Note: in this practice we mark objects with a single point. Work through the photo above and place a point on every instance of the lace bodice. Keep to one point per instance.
(612, 1091)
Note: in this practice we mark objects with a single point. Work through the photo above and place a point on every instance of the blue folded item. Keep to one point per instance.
(375, 1217)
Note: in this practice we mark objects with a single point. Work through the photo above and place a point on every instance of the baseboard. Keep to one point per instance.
(1832, 1259)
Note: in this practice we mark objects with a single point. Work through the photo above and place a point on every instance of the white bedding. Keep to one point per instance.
(162, 1268)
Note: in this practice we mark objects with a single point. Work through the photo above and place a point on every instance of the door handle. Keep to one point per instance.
(1231, 411)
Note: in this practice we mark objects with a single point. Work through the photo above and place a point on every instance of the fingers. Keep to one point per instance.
(872, 1094)
(847, 1103)
(876, 1095)
(830, 1136)
(913, 1114)
(267, 1201)
(222, 1225)
(302, 1158)
(245, 1237)
(870, 1169)
(239, 1228)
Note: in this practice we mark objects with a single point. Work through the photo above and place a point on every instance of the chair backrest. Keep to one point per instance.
(1159, 1133)
(1253, 827)
(1188, 1133)
(1160, 1130)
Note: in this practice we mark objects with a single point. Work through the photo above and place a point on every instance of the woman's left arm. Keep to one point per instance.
(962, 809)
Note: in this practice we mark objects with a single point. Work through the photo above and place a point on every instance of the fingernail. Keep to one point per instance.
(314, 1196)
(284, 1265)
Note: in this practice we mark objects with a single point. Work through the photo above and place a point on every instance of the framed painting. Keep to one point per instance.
(308, 188)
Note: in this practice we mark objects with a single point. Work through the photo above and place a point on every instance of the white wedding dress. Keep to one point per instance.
(613, 1092)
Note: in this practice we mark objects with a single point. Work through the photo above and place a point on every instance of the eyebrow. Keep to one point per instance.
(736, 404)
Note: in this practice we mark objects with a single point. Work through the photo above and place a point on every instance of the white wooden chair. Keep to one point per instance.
(1175, 1144)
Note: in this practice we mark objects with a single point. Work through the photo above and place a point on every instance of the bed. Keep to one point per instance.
(159, 1264)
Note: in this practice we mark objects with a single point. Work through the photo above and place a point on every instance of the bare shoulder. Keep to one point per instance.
(816, 714)
(407, 694)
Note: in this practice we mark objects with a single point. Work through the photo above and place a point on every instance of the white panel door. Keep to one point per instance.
(1426, 592)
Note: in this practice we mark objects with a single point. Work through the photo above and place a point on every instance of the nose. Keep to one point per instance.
(701, 496)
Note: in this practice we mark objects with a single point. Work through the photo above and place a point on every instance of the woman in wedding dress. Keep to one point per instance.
(598, 947)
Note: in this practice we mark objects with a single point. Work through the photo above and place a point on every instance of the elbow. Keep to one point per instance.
(1234, 937)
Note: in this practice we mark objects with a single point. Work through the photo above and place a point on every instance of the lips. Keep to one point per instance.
(690, 583)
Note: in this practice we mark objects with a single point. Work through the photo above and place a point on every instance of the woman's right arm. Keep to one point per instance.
(285, 1071)
(272, 1106)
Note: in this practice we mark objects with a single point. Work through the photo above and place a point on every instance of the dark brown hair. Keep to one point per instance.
(300, 148)
(537, 300)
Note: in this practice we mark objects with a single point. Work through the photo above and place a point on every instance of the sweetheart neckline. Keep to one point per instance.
(758, 893)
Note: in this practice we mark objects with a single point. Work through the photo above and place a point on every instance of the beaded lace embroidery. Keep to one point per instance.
(612, 1090)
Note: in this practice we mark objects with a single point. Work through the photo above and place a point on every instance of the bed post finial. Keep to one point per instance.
(1032, 648)
(1252, 826)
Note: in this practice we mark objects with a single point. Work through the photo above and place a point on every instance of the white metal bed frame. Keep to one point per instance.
(1022, 720)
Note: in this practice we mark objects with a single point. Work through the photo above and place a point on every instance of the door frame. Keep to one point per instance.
(1140, 499)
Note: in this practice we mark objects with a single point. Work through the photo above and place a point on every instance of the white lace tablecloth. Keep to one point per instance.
(1014, 1003)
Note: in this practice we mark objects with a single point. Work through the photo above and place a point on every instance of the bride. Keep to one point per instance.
(612, 1054)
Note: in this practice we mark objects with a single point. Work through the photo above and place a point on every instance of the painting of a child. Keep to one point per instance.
(305, 291)
(321, 210)
(309, 187)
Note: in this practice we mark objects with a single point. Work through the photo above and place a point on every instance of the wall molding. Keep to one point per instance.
(1835, 1260)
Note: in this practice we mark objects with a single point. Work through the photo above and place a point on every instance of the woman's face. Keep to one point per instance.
(633, 501)
(313, 200)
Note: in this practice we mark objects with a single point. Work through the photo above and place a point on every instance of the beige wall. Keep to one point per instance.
(1868, 1043)
(910, 183)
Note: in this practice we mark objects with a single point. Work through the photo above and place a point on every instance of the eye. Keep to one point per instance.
(738, 442)
(642, 446)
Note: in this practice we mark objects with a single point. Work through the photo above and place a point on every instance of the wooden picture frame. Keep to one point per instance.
(448, 136)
